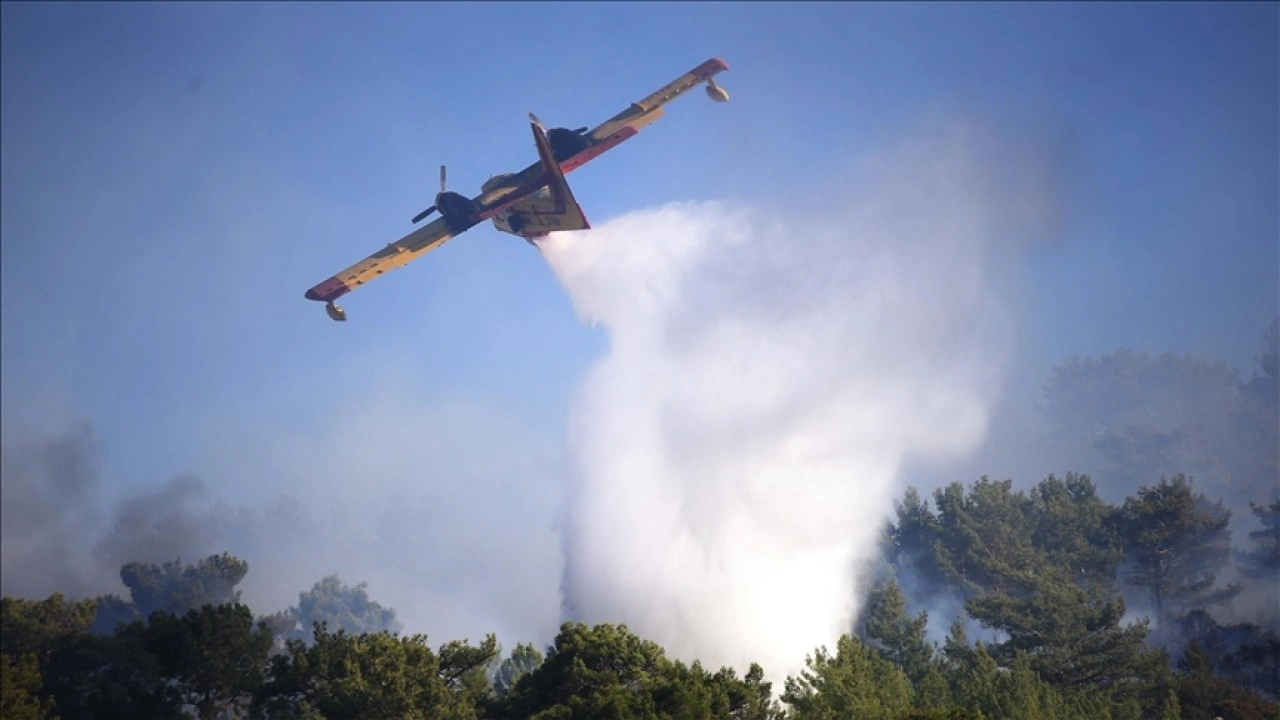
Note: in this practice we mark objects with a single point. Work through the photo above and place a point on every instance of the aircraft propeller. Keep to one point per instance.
(431, 209)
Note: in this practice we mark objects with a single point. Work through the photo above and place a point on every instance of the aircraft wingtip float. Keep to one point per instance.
(531, 203)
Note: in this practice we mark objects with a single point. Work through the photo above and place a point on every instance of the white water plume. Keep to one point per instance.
(768, 374)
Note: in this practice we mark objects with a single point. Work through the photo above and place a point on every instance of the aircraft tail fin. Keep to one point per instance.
(564, 213)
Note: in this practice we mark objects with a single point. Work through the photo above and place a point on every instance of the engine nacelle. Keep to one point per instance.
(455, 205)
(494, 182)
(566, 143)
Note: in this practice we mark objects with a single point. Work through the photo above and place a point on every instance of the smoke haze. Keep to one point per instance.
(769, 373)
(458, 543)
(46, 507)
(775, 375)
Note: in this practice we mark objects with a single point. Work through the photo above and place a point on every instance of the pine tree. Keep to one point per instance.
(933, 692)
(1071, 636)
(855, 682)
(1175, 544)
(1072, 530)
(898, 637)
(1263, 561)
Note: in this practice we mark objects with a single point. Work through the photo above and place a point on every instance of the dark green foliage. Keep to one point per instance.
(1071, 529)
(1202, 696)
(602, 671)
(982, 688)
(20, 689)
(283, 626)
(360, 677)
(113, 612)
(1176, 543)
(81, 674)
(109, 676)
(40, 627)
(211, 660)
(898, 637)
(1071, 636)
(524, 659)
(215, 658)
(855, 682)
(376, 675)
(1171, 708)
(1041, 567)
(463, 669)
(751, 698)
(933, 690)
(171, 588)
(339, 606)
(911, 547)
(984, 537)
(939, 714)
(973, 680)
(605, 671)
(1244, 653)
(1022, 693)
(1262, 561)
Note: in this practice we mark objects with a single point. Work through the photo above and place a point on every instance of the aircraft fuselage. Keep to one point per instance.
(565, 143)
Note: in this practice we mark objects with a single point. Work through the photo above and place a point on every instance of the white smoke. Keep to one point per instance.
(769, 373)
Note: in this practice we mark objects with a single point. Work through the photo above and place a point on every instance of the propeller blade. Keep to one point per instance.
(441, 178)
(535, 120)
(424, 213)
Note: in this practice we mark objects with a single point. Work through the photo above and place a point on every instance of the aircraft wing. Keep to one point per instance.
(643, 113)
(604, 137)
(394, 255)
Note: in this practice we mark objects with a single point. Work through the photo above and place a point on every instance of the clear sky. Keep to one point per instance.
(175, 176)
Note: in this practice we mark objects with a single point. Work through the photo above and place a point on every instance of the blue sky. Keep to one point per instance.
(176, 175)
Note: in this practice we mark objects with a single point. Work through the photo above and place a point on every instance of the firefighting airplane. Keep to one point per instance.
(531, 203)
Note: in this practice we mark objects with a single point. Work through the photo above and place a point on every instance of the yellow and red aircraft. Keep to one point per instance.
(531, 203)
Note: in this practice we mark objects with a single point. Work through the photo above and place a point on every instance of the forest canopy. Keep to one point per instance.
(1056, 603)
